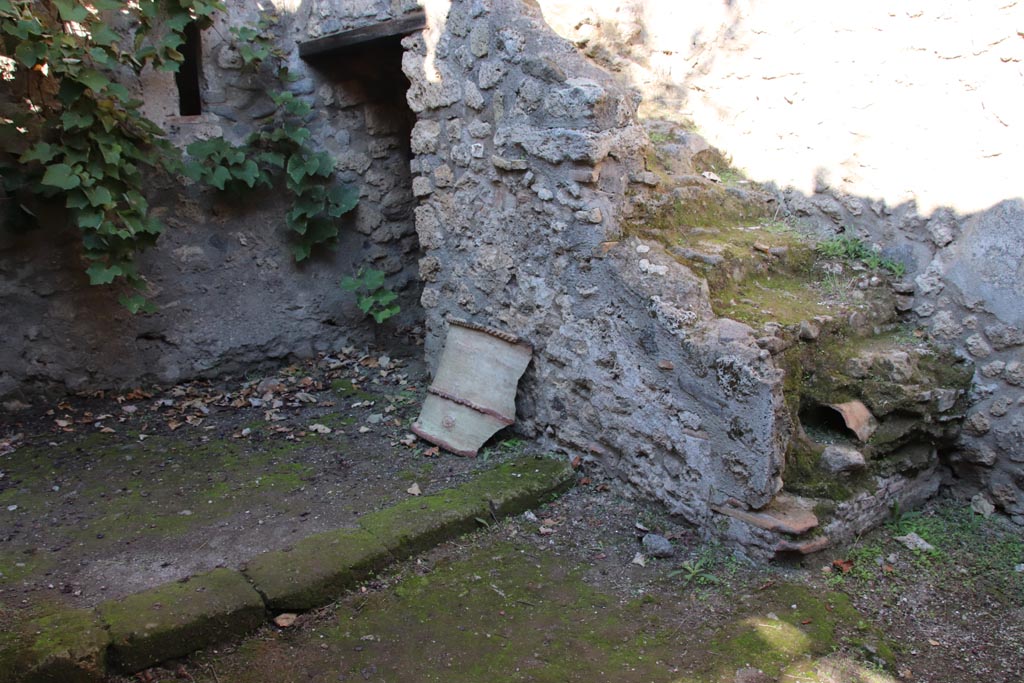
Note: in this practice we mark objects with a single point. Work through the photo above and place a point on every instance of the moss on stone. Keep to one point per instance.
(52, 644)
(317, 569)
(791, 628)
(521, 484)
(778, 297)
(415, 525)
(68, 646)
(420, 523)
(175, 619)
(512, 610)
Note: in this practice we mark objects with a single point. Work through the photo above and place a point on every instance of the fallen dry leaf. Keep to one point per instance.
(285, 620)
(843, 565)
(639, 559)
(414, 490)
(319, 428)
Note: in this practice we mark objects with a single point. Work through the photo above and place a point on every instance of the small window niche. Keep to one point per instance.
(190, 101)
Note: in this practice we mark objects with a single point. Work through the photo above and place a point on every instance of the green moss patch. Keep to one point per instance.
(64, 646)
(317, 570)
(511, 611)
(788, 634)
(780, 297)
(176, 619)
(521, 484)
(418, 524)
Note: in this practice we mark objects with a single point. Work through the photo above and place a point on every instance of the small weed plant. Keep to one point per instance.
(970, 553)
(853, 249)
(698, 571)
(372, 297)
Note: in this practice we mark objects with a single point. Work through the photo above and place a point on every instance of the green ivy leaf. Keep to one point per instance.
(219, 176)
(111, 153)
(177, 23)
(76, 200)
(30, 53)
(72, 120)
(71, 11)
(136, 303)
(384, 314)
(249, 172)
(93, 80)
(26, 28)
(373, 279)
(61, 176)
(296, 168)
(301, 252)
(275, 159)
(99, 196)
(90, 220)
(107, 5)
(42, 152)
(103, 35)
(101, 274)
(205, 148)
(343, 199)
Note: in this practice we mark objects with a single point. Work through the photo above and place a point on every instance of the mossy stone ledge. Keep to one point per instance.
(176, 619)
(317, 569)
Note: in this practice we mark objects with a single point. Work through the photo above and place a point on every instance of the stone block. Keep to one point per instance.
(317, 570)
(68, 646)
(175, 619)
(517, 486)
(419, 524)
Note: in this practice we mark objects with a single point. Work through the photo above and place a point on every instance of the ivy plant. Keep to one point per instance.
(372, 297)
(73, 134)
(281, 149)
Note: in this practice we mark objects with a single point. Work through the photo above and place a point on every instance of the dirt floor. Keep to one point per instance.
(102, 496)
(566, 593)
(580, 602)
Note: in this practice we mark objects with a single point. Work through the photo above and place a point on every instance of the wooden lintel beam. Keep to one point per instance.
(358, 37)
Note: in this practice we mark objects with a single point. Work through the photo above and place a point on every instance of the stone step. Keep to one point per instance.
(175, 619)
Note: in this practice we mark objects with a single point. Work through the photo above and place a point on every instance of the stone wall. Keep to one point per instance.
(527, 155)
(229, 295)
(496, 188)
(895, 125)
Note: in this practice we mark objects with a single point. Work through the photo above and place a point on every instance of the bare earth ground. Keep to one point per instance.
(89, 514)
(105, 496)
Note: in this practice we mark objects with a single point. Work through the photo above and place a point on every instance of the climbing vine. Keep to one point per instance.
(71, 133)
(280, 149)
(75, 134)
